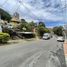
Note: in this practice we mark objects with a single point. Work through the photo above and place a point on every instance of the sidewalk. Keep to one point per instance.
(65, 51)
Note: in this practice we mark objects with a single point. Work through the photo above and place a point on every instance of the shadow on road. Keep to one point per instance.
(57, 59)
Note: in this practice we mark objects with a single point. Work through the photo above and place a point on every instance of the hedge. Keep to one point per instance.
(4, 37)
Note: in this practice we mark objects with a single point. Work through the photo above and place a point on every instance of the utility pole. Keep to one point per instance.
(65, 17)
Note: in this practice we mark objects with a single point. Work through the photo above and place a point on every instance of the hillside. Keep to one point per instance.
(5, 15)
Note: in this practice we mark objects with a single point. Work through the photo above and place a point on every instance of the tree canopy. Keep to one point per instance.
(41, 29)
(25, 26)
(5, 15)
(42, 24)
(58, 30)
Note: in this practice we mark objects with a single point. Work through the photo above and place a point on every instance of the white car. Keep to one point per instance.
(60, 38)
(46, 36)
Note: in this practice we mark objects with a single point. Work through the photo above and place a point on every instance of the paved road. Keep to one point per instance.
(41, 53)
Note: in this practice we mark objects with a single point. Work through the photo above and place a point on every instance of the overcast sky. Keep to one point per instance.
(51, 12)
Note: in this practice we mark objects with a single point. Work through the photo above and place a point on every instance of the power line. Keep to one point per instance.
(3, 3)
(21, 2)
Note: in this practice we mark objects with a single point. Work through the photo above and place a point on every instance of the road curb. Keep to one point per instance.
(65, 51)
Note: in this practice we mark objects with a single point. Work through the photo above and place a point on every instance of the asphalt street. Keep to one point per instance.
(38, 53)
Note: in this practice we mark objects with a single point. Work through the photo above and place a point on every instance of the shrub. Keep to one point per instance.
(4, 37)
(40, 31)
(12, 33)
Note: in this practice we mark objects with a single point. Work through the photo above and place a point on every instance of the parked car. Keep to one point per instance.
(60, 38)
(46, 36)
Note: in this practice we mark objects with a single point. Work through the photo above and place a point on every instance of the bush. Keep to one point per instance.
(40, 31)
(4, 37)
(12, 33)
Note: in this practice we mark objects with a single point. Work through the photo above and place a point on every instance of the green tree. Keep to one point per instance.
(33, 24)
(5, 15)
(47, 30)
(23, 25)
(42, 24)
(41, 29)
(30, 26)
(58, 30)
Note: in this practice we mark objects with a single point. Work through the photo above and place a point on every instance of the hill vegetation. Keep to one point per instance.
(5, 15)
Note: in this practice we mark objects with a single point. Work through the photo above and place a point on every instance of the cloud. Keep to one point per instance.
(52, 10)
(39, 11)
